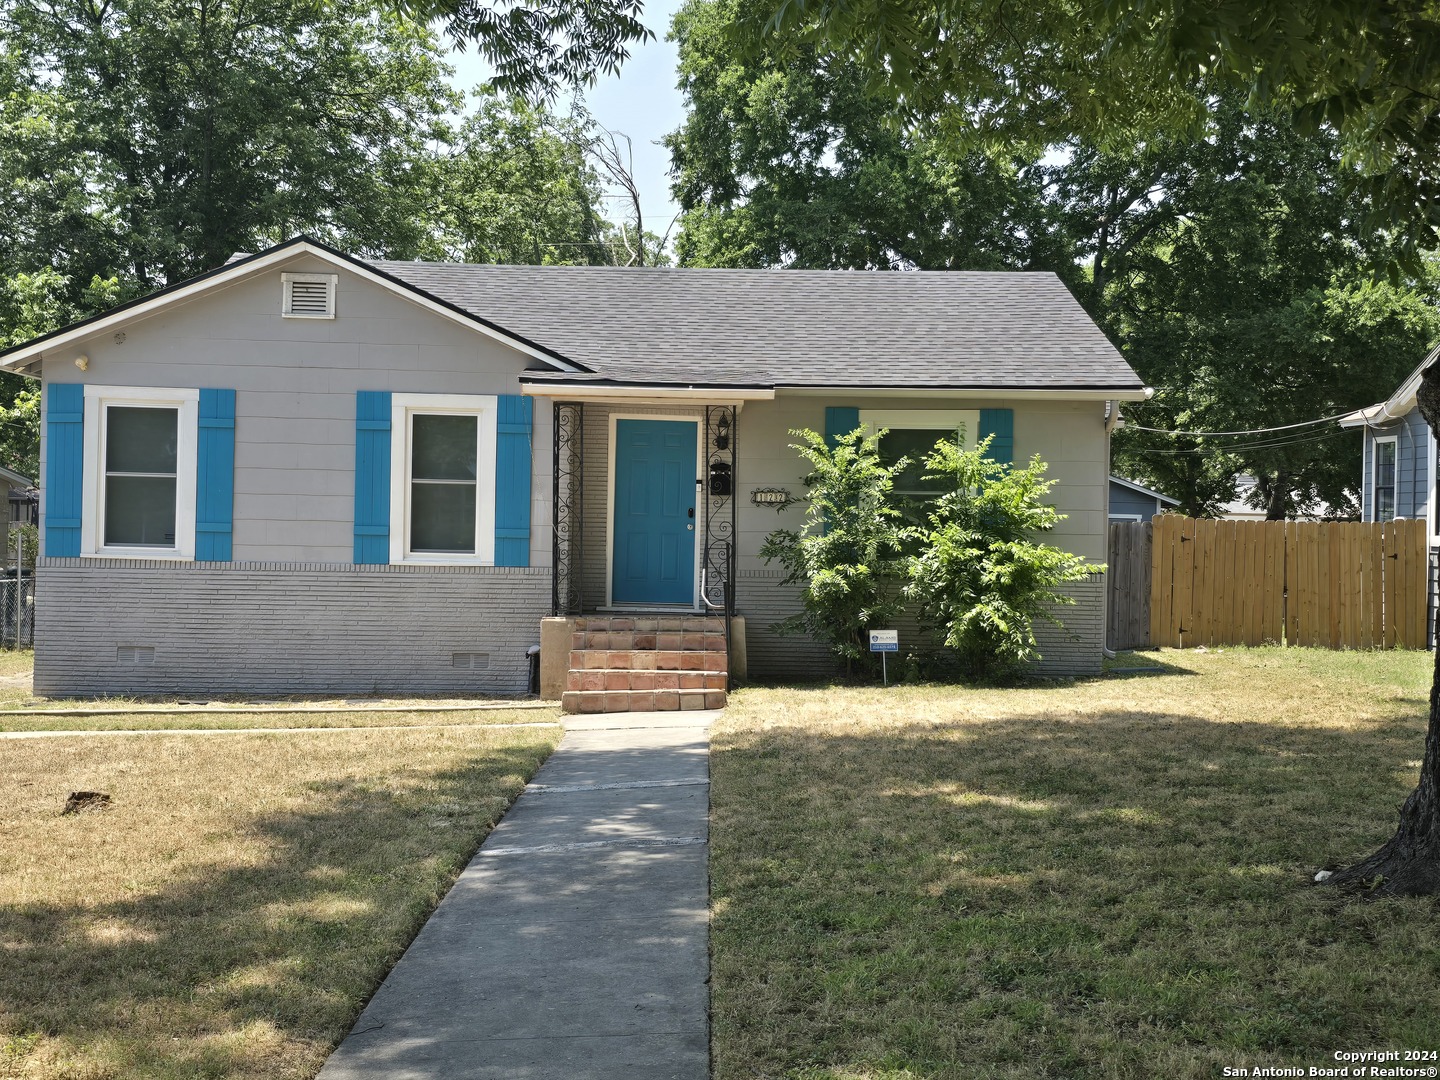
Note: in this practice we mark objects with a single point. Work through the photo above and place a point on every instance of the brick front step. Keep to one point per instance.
(603, 701)
(646, 660)
(646, 663)
(669, 640)
(652, 624)
(623, 679)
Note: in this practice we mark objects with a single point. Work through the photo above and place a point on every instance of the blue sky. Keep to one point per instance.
(641, 101)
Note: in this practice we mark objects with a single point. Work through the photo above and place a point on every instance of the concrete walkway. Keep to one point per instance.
(575, 944)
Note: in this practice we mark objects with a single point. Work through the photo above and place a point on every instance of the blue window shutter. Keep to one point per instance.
(512, 480)
(64, 468)
(215, 477)
(1001, 424)
(372, 476)
(840, 420)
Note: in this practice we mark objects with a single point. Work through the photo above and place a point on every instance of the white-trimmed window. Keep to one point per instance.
(307, 296)
(442, 479)
(138, 495)
(913, 433)
(1383, 478)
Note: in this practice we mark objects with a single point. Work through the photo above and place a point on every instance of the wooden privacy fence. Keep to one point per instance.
(1128, 616)
(1330, 584)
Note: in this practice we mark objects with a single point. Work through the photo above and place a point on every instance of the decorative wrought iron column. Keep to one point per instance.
(567, 560)
(717, 564)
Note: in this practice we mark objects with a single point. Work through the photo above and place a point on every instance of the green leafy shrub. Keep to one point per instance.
(847, 556)
(979, 576)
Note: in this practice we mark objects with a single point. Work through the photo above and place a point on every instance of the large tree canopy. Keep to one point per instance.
(1233, 264)
(1241, 287)
(791, 162)
(153, 138)
(143, 141)
(1105, 69)
(535, 48)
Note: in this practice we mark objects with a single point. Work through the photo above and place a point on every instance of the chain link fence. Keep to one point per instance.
(17, 589)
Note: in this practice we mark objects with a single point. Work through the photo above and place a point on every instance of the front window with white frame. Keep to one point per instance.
(139, 482)
(1384, 479)
(912, 434)
(442, 476)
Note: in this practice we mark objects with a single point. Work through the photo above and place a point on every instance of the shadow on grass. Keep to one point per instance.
(1122, 895)
(254, 969)
(1131, 664)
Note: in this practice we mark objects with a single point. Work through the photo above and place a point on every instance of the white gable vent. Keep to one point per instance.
(307, 296)
(135, 654)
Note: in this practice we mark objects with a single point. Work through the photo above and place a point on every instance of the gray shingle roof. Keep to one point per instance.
(798, 328)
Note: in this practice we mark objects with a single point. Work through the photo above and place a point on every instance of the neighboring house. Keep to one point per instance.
(22, 503)
(1399, 467)
(1397, 475)
(1240, 508)
(306, 472)
(1130, 501)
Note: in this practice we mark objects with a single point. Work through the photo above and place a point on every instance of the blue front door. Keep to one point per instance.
(654, 551)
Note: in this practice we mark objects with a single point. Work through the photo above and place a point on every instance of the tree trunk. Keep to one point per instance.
(1275, 497)
(1409, 862)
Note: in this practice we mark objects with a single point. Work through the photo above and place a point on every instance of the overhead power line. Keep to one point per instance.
(1264, 444)
(1251, 431)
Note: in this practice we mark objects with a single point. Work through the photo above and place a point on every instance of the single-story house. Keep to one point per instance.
(1130, 501)
(303, 471)
(1397, 475)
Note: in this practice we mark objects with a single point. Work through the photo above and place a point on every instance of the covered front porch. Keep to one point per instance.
(644, 552)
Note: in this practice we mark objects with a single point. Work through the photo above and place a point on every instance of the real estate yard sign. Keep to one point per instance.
(884, 641)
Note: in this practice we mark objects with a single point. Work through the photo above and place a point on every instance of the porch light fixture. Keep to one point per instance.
(778, 498)
(722, 432)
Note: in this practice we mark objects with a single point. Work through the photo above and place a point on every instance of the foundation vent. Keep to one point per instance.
(135, 654)
(470, 661)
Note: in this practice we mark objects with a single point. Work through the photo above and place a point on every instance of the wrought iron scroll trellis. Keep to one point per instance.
(567, 594)
(718, 559)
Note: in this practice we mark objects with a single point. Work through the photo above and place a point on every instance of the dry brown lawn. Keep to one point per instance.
(1105, 879)
(20, 710)
(239, 900)
(396, 716)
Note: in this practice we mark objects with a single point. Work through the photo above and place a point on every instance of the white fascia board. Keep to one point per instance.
(643, 394)
(1362, 417)
(1398, 404)
(986, 394)
(28, 357)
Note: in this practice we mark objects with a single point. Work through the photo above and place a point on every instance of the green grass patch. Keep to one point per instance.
(1104, 879)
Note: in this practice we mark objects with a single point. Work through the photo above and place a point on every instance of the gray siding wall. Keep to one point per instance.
(291, 614)
(1414, 453)
(295, 383)
(1069, 437)
(284, 628)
